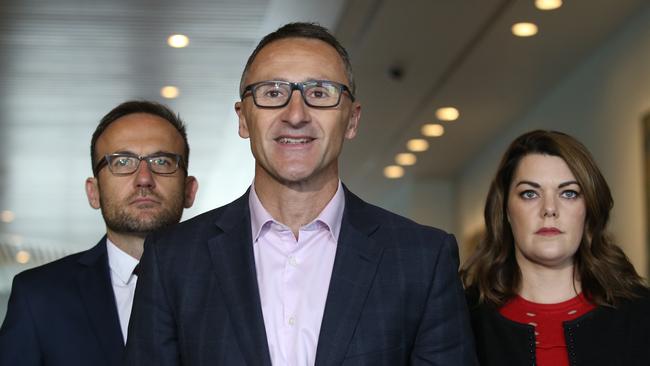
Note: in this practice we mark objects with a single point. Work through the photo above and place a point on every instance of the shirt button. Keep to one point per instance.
(292, 321)
(293, 261)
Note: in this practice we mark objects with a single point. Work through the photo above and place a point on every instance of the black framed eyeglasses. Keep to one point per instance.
(315, 93)
(128, 163)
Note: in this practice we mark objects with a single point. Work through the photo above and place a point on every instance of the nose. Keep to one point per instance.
(296, 113)
(144, 176)
(550, 208)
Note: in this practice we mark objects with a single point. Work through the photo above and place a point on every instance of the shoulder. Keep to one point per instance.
(360, 211)
(47, 274)
(638, 306)
(629, 314)
(189, 238)
(57, 277)
(208, 222)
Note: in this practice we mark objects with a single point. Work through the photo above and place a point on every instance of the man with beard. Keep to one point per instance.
(75, 311)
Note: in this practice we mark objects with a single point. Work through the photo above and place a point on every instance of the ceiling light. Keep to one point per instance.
(178, 41)
(524, 29)
(433, 130)
(169, 92)
(22, 256)
(417, 145)
(447, 114)
(393, 171)
(406, 159)
(548, 4)
(7, 216)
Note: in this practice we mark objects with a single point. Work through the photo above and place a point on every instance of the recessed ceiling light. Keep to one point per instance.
(433, 130)
(406, 159)
(7, 216)
(447, 114)
(178, 41)
(417, 145)
(23, 256)
(169, 92)
(524, 29)
(393, 171)
(548, 4)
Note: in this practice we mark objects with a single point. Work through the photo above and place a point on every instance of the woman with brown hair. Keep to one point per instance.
(547, 286)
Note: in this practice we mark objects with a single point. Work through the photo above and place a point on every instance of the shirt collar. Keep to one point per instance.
(331, 216)
(120, 263)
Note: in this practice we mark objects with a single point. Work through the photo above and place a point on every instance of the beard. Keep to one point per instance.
(122, 218)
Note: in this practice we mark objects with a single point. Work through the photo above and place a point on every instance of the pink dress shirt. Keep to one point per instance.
(294, 277)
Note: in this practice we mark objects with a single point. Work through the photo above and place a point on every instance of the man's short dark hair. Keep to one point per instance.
(302, 30)
(139, 106)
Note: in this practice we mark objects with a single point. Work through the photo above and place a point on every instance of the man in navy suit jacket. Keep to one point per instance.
(299, 271)
(75, 311)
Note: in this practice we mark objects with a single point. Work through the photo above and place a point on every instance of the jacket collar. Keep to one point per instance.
(355, 266)
(96, 291)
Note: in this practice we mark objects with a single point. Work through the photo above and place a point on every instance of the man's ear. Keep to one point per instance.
(191, 186)
(353, 122)
(243, 126)
(92, 192)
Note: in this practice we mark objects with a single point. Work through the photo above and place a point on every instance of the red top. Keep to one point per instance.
(550, 345)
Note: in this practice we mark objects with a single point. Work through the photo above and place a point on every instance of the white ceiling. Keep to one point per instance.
(65, 63)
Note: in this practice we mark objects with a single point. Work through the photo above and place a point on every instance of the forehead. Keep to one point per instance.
(297, 59)
(542, 168)
(140, 133)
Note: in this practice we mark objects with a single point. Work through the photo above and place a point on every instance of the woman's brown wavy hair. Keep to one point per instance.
(606, 274)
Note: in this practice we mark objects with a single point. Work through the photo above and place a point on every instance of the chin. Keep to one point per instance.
(556, 261)
(294, 176)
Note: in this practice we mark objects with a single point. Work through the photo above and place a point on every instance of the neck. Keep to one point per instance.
(548, 285)
(131, 244)
(295, 203)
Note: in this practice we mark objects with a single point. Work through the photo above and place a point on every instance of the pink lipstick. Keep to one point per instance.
(548, 231)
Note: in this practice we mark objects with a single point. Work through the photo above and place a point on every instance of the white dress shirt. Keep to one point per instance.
(121, 265)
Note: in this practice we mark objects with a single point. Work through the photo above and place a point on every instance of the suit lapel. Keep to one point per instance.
(97, 296)
(357, 257)
(234, 264)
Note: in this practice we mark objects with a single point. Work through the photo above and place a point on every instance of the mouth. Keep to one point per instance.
(294, 140)
(548, 231)
(144, 202)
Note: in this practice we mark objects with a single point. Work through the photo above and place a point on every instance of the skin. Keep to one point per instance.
(547, 215)
(136, 204)
(295, 181)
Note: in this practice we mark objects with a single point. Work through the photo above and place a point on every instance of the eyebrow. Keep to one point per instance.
(153, 153)
(537, 185)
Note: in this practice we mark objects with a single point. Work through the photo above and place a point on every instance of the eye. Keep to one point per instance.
(570, 194)
(122, 161)
(321, 91)
(161, 161)
(318, 93)
(274, 93)
(270, 91)
(528, 195)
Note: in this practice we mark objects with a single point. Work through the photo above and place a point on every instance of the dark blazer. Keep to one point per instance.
(605, 336)
(394, 297)
(63, 313)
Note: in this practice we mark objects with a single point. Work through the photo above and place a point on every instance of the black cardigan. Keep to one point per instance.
(604, 336)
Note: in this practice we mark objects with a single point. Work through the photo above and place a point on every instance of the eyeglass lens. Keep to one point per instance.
(127, 164)
(317, 94)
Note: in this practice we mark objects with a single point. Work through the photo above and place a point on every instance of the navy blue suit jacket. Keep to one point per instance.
(63, 313)
(394, 296)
